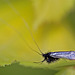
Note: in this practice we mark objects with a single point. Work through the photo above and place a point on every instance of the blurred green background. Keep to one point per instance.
(53, 27)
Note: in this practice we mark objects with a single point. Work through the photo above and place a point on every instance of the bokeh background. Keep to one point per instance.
(52, 23)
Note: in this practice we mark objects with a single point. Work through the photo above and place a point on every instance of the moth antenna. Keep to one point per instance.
(26, 24)
(19, 35)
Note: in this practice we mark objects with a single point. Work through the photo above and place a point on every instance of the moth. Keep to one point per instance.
(54, 56)
(48, 57)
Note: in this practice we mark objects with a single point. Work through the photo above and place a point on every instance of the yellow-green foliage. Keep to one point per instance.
(52, 24)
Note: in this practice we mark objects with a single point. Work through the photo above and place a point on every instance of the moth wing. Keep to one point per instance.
(66, 54)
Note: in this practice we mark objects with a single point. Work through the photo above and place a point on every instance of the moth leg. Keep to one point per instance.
(65, 60)
(40, 61)
(43, 60)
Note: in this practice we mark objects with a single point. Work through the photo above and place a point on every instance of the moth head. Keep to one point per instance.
(46, 55)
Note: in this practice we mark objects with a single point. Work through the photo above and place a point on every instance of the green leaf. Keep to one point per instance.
(17, 69)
